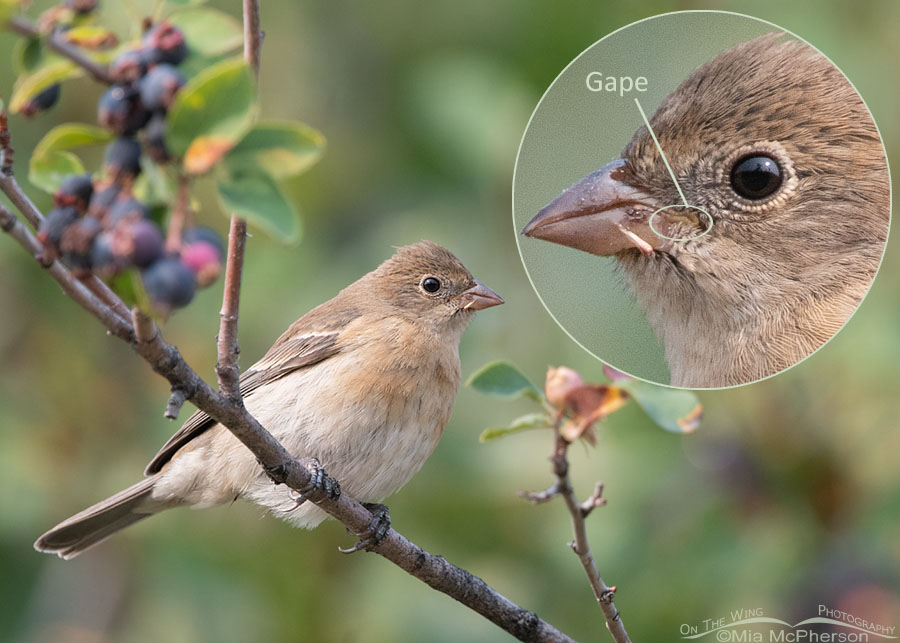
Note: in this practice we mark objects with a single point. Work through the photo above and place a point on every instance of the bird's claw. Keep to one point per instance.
(319, 481)
(377, 530)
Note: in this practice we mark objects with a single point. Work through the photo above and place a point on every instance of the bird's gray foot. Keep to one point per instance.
(319, 481)
(377, 530)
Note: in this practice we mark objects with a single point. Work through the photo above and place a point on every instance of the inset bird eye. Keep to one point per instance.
(755, 177)
(430, 284)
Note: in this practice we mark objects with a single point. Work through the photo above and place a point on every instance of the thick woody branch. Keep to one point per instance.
(57, 42)
(579, 511)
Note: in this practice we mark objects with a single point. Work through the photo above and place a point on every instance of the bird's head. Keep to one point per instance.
(426, 282)
(774, 143)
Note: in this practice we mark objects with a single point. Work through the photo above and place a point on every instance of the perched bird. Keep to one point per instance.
(364, 383)
(773, 142)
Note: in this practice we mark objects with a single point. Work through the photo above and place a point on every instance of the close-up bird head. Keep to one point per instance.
(776, 146)
(426, 281)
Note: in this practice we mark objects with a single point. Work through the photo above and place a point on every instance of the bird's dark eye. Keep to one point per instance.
(755, 177)
(430, 284)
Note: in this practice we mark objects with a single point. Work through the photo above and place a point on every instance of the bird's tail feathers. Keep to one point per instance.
(100, 521)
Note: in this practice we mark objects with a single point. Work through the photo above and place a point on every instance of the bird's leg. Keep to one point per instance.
(377, 530)
(319, 480)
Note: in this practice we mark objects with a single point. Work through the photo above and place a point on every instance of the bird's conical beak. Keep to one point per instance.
(600, 214)
(479, 297)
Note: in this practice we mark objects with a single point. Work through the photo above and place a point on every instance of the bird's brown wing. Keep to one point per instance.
(284, 357)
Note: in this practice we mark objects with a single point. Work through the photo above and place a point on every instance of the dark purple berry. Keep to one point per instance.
(164, 43)
(82, 6)
(75, 189)
(43, 101)
(156, 139)
(53, 226)
(126, 208)
(138, 242)
(169, 283)
(159, 86)
(102, 258)
(105, 194)
(120, 110)
(76, 243)
(201, 233)
(123, 159)
(128, 67)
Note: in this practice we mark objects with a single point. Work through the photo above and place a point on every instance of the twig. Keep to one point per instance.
(176, 401)
(180, 214)
(227, 347)
(25, 27)
(252, 34)
(579, 511)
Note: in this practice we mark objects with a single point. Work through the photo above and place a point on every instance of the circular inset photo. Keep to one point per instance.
(701, 199)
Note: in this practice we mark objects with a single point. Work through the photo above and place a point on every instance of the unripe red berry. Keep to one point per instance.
(204, 260)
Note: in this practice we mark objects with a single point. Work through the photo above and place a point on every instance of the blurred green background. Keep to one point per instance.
(787, 497)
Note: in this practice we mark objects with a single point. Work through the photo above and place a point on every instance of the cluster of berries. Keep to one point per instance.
(100, 227)
(146, 81)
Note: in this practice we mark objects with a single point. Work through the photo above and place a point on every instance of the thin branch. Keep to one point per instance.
(578, 511)
(57, 42)
(227, 347)
(180, 214)
(253, 35)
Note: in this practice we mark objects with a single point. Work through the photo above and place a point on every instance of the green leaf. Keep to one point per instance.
(52, 161)
(281, 148)
(674, 410)
(256, 197)
(524, 423)
(30, 85)
(27, 55)
(207, 31)
(211, 114)
(503, 379)
(48, 172)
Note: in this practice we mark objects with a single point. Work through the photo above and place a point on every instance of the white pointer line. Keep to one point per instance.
(661, 153)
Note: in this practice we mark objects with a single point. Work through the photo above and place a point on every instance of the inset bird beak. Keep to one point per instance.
(600, 214)
(479, 297)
